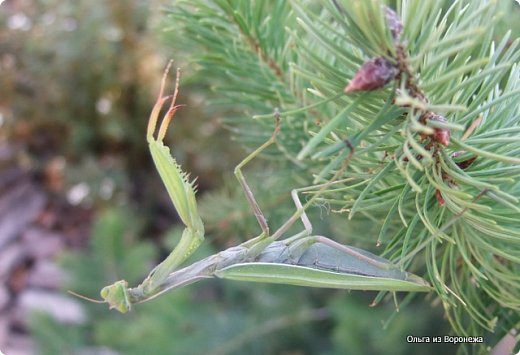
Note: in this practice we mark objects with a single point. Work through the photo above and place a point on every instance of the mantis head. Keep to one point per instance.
(116, 295)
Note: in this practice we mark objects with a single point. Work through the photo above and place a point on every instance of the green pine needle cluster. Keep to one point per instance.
(453, 210)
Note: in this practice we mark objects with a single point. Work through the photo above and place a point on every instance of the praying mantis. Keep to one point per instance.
(303, 259)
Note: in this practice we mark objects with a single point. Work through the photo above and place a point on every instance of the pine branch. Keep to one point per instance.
(436, 141)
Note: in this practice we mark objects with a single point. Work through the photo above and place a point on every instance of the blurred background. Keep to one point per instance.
(81, 205)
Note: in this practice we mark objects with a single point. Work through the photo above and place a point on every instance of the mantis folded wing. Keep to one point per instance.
(302, 259)
(322, 264)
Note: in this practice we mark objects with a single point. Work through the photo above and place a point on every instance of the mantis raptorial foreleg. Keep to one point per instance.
(180, 190)
(182, 194)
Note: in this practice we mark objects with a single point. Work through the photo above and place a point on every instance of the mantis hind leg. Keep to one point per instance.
(300, 208)
(254, 244)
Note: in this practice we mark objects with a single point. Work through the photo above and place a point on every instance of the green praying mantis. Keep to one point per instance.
(303, 259)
